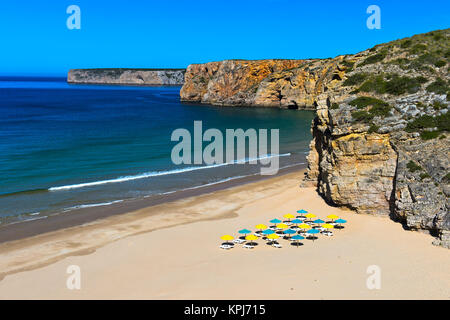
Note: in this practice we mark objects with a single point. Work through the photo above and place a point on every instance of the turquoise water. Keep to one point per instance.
(64, 147)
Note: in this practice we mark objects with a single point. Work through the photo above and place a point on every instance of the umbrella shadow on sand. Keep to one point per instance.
(338, 227)
(228, 243)
(296, 244)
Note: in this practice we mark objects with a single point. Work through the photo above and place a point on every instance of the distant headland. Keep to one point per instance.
(127, 76)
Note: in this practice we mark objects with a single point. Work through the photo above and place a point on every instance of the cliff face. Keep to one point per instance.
(380, 137)
(145, 77)
(269, 83)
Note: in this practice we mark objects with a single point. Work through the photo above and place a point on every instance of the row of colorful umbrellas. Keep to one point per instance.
(299, 223)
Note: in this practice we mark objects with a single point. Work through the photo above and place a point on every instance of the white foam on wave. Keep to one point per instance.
(82, 206)
(160, 173)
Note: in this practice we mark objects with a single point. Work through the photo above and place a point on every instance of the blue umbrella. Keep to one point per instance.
(313, 231)
(319, 221)
(297, 221)
(275, 221)
(340, 221)
(289, 231)
(297, 238)
(302, 211)
(268, 231)
(244, 231)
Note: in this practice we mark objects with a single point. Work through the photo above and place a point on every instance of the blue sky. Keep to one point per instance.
(154, 34)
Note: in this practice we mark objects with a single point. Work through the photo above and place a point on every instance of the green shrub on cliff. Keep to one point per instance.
(406, 44)
(395, 85)
(440, 63)
(421, 122)
(418, 48)
(334, 106)
(439, 86)
(362, 102)
(441, 123)
(376, 107)
(424, 176)
(413, 167)
(362, 116)
(446, 177)
(348, 65)
(355, 79)
(373, 128)
(428, 135)
(374, 58)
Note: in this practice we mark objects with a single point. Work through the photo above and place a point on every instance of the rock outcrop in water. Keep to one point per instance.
(381, 140)
(119, 76)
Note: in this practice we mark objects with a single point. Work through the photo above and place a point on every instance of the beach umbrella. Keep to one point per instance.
(313, 231)
(310, 215)
(304, 226)
(268, 232)
(282, 226)
(273, 237)
(327, 226)
(226, 238)
(297, 238)
(302, 211)
(339, 222)
(289, 216)
(251, 238)
(261, 226)
(296, 222)
(332, 217)
(275, 221)
(289, 232)
(318, 221)
(244, 231)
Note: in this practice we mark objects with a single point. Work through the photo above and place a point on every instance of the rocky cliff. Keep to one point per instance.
(143, 77)
(269, 83)
(381, 133)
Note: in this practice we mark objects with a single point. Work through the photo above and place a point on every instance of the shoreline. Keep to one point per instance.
(73, 218)
(171, 251)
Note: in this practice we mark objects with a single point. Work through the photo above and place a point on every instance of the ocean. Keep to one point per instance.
(65, 147)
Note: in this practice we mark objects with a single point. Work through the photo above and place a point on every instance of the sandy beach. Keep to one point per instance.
(171, 251)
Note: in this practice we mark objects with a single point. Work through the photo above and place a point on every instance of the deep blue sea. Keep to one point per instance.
(64, 147)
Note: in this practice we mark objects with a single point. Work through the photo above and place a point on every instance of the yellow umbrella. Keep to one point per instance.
(251, 237)
(310, 215)
(261, 226)
(226, 237)
(332, 217)
(289, 216)
(304, 226)
(273, 236)
(327, 226)
(282, 226)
